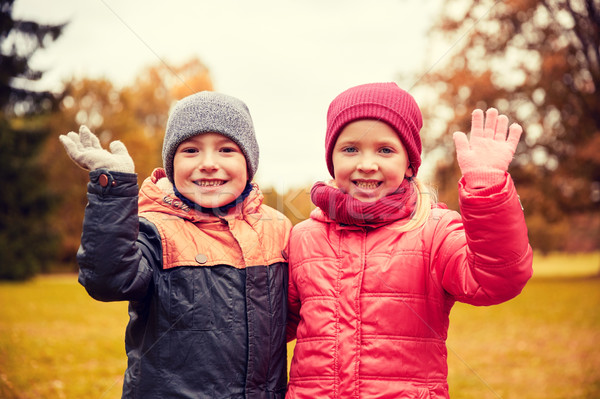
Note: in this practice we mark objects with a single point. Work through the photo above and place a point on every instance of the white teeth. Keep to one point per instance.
(366, 185)
(210, 183)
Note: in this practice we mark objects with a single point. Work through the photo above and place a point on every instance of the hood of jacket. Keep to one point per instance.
(157, 195)
(250, 234)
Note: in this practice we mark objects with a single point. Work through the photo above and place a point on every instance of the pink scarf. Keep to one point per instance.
(344, 209)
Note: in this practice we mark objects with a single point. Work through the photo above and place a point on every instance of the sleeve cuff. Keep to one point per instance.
(484, 183)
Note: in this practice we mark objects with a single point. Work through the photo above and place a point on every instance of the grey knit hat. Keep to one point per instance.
(210, 112)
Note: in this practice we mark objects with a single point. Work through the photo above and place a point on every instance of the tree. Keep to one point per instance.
(26, 238)
(539, 63)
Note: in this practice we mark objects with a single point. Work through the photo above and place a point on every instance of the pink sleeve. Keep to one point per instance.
(293, 300)
(485, 257)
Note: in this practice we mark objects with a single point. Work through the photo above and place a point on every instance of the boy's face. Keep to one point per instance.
(369, 160)
(210, 170)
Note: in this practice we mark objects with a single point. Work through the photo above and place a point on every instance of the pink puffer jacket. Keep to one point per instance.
(370, 307)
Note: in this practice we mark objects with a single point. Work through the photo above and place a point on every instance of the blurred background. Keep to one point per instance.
(118, 67)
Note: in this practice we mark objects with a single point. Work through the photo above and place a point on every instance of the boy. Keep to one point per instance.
(200, 261)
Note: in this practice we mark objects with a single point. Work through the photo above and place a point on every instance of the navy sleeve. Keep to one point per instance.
(115, 258)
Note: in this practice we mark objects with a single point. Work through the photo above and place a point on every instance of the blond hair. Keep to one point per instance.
(426, 198)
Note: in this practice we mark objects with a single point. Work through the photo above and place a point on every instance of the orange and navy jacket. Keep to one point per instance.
(207, 294)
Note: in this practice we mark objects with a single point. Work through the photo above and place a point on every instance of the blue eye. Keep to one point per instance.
(349, 149)
(387, 150)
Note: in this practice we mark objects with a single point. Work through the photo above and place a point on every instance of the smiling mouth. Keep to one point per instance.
(366, 185)
(210, 183)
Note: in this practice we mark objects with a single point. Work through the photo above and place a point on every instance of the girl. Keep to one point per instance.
(376, 269)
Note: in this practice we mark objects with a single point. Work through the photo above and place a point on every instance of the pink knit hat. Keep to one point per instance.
(384, 102)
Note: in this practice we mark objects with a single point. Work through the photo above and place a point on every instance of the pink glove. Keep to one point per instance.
(484, 160)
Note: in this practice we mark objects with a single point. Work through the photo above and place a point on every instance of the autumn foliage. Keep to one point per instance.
(134, 114)
(536, 61)
(539, 63)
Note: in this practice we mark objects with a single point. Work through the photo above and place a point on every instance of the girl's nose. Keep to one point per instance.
(367, 164)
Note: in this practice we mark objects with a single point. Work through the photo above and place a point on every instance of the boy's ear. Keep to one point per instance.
(409, 172)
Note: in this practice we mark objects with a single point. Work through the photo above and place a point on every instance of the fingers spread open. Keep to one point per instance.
(117, 148)
(501, 128)
(514, 134)
(477, 122)
(88, 139)
(491, 117)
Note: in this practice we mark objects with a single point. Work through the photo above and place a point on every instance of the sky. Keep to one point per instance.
(285, 59)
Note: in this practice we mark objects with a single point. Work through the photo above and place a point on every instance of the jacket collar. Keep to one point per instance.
(157, 195)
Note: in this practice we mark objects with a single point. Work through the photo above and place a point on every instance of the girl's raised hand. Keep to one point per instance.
(484, 159)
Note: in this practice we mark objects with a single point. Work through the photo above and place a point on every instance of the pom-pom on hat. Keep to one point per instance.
(384, 102)
(210, 112)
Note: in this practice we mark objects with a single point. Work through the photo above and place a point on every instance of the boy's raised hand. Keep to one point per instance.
(484, 159)
(85, 150)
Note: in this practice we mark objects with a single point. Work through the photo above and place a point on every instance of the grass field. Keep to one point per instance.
(56, 342)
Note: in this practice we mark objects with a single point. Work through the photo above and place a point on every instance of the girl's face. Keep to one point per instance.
(369, 160)
(210, 170)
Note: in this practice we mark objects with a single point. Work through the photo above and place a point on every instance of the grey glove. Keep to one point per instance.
(85, 150)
